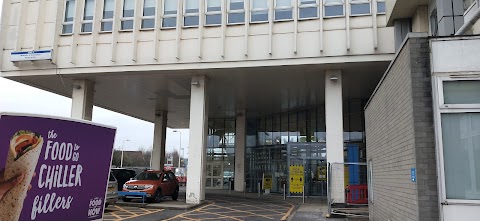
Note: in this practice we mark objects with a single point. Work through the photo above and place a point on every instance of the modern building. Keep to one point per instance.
(261, 84)
(423, 119)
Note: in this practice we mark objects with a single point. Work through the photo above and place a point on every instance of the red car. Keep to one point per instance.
(154, 183)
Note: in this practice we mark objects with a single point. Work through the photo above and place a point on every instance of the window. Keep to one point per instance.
(359, 7)
(87, 20)
(461, 152)
(191, 12)
(148, 16)
(107, 17)
(236, 11)
(213, 14)
(169, 14)
(467, 4)
(283, 10)
(461, 93)
(307, 9)
(128, 15)
(381, 7)
(68, 17)
(334, 8)
(259, 11)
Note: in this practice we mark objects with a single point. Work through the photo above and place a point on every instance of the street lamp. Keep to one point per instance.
(180, 146)
(121, 159)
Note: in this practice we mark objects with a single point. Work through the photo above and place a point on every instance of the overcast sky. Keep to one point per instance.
(17, 97)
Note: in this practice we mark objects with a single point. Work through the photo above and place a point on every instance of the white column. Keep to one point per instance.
(240, 131)
(197, 140)
(82, 99)
(159, 137)
(334, 126)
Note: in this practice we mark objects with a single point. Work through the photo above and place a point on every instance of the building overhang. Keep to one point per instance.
(399, 9)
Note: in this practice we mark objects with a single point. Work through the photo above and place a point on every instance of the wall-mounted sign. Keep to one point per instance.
(413, 174)
(297, 178)
(267, 181)
(31, 55)
(52, 168)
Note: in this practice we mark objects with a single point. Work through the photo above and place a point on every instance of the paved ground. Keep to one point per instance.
(220, 205)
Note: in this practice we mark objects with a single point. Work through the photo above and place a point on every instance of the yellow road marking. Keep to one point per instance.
(288, 213)
(246, 212)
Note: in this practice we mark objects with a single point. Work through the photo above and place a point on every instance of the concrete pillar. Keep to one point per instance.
(159, 137)
(420, 20)
(197, 140)
(334, 127)
(240, 132)
(82, 99)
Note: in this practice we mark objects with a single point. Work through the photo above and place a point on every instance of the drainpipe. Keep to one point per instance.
(469, 24)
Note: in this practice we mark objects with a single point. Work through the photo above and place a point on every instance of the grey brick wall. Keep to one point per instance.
(400, 136)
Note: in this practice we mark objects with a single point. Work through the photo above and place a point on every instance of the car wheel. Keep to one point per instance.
(125, 199)
(175, 195)
(158, 196)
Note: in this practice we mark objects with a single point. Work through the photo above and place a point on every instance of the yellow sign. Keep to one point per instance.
(296, 178)
(321, 173)
(267, 181)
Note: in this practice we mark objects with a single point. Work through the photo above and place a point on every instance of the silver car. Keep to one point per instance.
(112, 194)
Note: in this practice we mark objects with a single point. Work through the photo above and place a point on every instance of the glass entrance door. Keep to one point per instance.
(214, 175)
(311, 157)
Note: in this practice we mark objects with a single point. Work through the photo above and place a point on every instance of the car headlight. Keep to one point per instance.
(148, 186)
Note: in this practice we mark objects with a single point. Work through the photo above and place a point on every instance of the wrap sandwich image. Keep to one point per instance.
(25, 148)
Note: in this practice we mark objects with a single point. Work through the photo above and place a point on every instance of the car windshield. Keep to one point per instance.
(148, 176)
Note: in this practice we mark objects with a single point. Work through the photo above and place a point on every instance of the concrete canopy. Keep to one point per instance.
(260, 90)
(398, 9)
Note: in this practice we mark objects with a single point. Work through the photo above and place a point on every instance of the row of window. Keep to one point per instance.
(235, 9)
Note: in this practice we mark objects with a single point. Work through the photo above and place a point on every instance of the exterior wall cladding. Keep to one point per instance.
(400, 136)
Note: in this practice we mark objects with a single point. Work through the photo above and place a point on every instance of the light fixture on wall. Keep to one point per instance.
(196, 83)
(78, 87)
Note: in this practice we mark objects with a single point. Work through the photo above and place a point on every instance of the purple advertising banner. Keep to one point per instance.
(53, 168)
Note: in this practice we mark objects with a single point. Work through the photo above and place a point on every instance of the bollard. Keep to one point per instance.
(284, 192)
(303, 194)
(230, 187)
(259, 189)
(245, 188)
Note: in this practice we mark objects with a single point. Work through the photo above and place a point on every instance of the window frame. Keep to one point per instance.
(106, 20)
(381, 13)
(236, 11)
(163, 15)
(190, 14)
(275, 8)
(213, 13)
(148, 17)
(267, 9)
(88, 21)
(65, 23)
(352, 2)
(325, 5)
(122, 19)
(439, 109)
(300, 6)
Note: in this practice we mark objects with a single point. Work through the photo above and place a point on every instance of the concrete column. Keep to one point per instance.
(82, 99)
(334, 126)
(240, 132)
(420, 20)
(159, 137)
(197, 140)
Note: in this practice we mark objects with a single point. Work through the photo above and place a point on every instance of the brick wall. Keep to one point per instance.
(400, 136)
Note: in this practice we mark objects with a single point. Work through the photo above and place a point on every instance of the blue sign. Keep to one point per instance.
(31, 55)
(413, 175)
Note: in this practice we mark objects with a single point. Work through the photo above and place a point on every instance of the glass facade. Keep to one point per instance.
(220, 153)
(275, 141)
